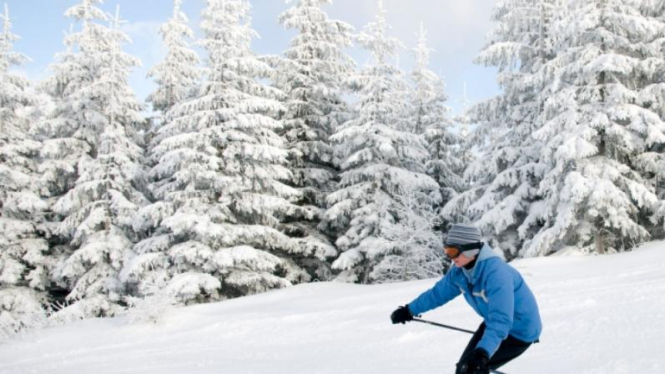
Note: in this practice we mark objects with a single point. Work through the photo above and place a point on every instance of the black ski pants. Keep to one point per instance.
(509, 349)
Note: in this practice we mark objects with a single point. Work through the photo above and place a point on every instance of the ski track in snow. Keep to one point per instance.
(600, 314)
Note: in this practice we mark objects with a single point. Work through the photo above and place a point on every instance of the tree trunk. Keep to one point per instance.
(600, 243)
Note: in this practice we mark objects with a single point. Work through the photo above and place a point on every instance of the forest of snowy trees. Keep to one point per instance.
(243, 173)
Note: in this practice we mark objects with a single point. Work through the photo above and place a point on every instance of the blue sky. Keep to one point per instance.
(456, 31)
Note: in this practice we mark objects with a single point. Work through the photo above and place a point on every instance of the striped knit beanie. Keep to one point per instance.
(463, 234)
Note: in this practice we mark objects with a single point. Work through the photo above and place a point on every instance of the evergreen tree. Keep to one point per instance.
(600, 120)
(503, 198)
(24, 258)
(430, 118)
(381, 165)
(413, 243)
(66, 136)
(216, 230)
(465, 151)
(401, 95)
(651, 163)
(93, 135)
(177, 75)
(312, 76)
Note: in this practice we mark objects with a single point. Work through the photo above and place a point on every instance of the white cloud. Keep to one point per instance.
(453, 25)
(453, 22)
(456, 30)
(146, 43)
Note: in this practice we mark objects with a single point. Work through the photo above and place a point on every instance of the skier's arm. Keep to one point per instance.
(443, 291)
(501, 300)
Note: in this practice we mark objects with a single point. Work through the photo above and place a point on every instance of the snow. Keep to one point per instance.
(601, 314)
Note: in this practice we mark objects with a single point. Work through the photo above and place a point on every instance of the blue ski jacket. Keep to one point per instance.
(496, 291)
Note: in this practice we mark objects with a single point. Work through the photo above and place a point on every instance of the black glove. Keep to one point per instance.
(401, 315)
(477, 363)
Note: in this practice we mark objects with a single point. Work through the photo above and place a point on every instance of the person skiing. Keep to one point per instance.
(495, 290)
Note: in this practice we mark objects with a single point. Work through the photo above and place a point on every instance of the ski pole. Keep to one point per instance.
(452, 328)
(444, 326)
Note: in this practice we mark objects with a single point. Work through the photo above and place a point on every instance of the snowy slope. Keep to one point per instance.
(601, 315)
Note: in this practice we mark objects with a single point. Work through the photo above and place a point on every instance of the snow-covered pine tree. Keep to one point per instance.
(24, 260)
(220, 179)
(652, 162)
(94, 137)
(401, 95)
(312, 75)
(414, 241)
(430, 117)
(65, 134)
(381, 166)
(177, 77)
(465, 152)
(600, 119)
(178, 74)
(503, 198)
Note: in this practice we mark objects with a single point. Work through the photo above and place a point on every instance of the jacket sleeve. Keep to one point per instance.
(443, 291)
(501, 300)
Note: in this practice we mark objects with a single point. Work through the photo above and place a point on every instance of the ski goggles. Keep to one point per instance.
(452, 252)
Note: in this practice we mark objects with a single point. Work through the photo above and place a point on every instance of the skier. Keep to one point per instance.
(495, 290)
